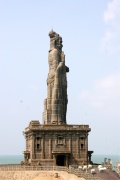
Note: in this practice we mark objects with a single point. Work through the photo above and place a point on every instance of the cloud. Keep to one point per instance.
(84, 94)
(102, 104)
(110, 42)
(33, 87)
(112, 11)
(105, 94)
(111, 17)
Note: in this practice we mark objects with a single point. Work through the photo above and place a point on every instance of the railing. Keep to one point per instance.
(71, 170)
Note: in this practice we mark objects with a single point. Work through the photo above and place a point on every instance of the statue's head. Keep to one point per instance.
(55, 40)
(53, 34)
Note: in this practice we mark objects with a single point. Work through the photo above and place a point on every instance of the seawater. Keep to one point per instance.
(99, 159)
(11, 159)
(16, 159)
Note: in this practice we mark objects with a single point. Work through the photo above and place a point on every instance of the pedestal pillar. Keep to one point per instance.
(54, 157)
(70, 148)
(33, 147)
(67, 161)
(87, 148)
(50, 147)
(78, 149)
(43, 149)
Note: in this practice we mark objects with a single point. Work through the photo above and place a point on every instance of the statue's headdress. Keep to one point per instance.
(53, 37)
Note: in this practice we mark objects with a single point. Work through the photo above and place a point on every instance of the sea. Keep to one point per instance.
(98, 159)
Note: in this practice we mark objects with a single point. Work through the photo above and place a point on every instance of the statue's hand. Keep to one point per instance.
(67, 69)
(60, 65)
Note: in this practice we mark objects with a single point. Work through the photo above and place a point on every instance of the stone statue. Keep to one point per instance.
(55, 106)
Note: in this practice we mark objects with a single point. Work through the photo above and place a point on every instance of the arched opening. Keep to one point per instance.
(60, 161)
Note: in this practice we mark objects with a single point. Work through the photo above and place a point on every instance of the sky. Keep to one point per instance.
(90, 30)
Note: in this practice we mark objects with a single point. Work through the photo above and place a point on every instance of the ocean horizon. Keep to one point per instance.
(98, 159)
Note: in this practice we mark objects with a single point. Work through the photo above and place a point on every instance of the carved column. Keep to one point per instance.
(87, 148)
(66, 160)
(70, 145)
(50, 147)
(54, 157)
(43, 149)
(78, 148)
(33, 146)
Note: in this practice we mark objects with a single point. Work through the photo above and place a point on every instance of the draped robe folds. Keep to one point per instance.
(55, 106)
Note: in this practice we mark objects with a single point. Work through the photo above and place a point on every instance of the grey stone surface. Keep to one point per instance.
(46, 143)
(55, 106)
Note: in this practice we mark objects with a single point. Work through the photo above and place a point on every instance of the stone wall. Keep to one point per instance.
(47, 142)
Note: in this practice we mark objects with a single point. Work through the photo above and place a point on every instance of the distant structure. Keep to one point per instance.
(55, 142)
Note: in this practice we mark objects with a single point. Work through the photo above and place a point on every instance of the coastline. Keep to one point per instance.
(97, 159)
(46, 175)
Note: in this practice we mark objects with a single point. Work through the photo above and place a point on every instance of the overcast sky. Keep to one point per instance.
(91, 42)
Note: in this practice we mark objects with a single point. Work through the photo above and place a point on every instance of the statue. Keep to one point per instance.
(55, 106)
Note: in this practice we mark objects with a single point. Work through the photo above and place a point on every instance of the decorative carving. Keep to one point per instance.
(55, 106)
(60, 140)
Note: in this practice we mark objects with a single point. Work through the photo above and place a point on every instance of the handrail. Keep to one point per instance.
(70, 170)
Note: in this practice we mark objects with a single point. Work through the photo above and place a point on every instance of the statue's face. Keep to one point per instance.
(59, 43)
